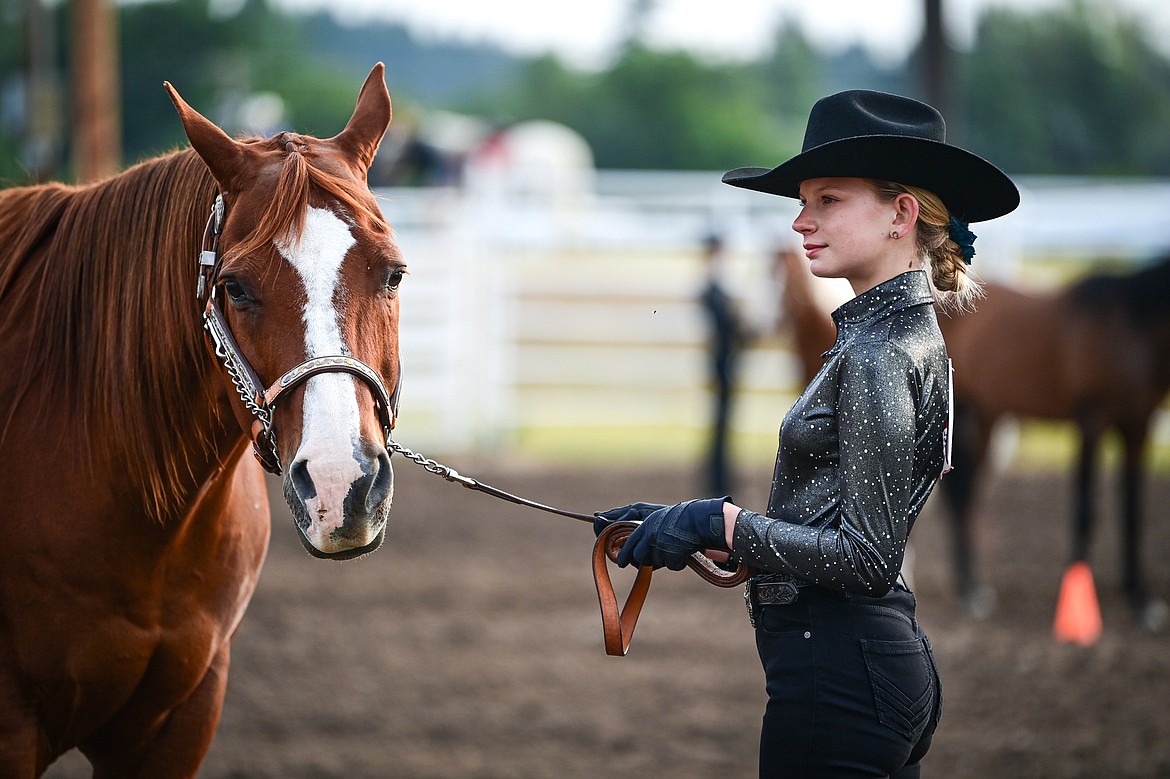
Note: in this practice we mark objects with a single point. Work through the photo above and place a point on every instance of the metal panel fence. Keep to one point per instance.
(578, 313)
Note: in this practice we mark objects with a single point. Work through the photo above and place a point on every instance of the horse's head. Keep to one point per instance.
(306, 277)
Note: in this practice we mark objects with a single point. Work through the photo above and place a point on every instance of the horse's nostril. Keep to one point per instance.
(379, 484)
(302, 482)
(368, 494)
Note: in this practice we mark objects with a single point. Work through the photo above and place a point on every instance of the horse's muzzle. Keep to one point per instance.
(341, 516)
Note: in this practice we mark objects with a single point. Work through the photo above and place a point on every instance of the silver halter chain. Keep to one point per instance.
(429, 465)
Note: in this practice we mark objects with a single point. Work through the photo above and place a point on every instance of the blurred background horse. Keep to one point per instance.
(1096, 353)
(804, 310)
(135, 523)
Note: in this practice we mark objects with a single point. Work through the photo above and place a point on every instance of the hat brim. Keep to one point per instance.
(970, 187)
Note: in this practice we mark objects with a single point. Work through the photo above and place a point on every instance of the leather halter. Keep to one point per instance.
(261, 400)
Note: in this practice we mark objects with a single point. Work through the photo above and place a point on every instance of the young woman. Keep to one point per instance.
(852, 685)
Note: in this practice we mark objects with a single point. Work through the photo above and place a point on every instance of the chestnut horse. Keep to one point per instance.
(135, 521)
(1096, 353)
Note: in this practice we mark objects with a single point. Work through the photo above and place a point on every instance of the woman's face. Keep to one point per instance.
(846, 229)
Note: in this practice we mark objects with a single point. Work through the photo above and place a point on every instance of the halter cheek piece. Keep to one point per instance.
(261, 401)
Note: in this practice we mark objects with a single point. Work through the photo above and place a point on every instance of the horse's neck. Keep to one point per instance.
(206, 437)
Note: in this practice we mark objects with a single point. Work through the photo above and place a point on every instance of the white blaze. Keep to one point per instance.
(331, 424)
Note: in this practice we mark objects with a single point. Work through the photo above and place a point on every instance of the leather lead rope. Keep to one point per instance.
(617, 624)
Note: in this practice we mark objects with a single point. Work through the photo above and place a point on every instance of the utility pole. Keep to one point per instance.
(937, 79)
(97, 128)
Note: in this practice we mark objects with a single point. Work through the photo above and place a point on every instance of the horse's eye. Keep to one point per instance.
(236, 292)
(392, 278)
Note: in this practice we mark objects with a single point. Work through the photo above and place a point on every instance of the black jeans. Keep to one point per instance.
(853, 690)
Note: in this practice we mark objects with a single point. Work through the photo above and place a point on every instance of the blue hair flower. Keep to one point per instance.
(963, 236)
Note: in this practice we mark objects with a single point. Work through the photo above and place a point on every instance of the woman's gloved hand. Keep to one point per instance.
(635, 512)
(669, 535)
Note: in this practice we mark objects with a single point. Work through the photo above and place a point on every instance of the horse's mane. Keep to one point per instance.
(103, 277)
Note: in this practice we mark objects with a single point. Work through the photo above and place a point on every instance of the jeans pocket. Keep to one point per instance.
(903, 683)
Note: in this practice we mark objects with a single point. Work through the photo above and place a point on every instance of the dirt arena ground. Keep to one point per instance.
(470, 646)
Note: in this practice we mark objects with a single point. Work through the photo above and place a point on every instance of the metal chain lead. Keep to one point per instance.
(228, 357)
(236, 374)
(243, 385)
(429, 465)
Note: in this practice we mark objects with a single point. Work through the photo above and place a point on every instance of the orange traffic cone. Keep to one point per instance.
(1078, 616)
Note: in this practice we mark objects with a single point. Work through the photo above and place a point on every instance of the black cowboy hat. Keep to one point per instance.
(876, 135)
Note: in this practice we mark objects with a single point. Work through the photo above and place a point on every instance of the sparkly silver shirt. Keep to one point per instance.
(861, 449)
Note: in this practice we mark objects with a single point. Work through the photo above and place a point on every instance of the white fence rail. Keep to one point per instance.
(528, 313)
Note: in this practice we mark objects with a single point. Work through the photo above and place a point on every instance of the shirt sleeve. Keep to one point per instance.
(860, 549)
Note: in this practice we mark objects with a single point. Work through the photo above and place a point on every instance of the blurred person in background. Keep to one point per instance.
(726, 337)
(853, 689)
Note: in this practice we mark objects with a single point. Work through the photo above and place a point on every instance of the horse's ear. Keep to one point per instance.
(224, 157)
(371, 118)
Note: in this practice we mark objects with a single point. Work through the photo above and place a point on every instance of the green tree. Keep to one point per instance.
(1073, 90)
(670, 110)
(653, 110)
(792, 77)
(217, 62)
(1079, 89)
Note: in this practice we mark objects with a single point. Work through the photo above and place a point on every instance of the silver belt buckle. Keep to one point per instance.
(777, 593)
(782, 593)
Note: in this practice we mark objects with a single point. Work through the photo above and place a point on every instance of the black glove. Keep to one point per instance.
(670, 534)
(635, 512)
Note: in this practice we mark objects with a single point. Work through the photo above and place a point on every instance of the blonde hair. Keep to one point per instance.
(950, 278)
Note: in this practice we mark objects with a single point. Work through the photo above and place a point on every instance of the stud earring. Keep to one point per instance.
(895, 235)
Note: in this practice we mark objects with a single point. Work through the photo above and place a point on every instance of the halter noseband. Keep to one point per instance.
(258, 399)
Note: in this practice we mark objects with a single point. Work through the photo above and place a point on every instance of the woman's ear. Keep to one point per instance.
(905, 212)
